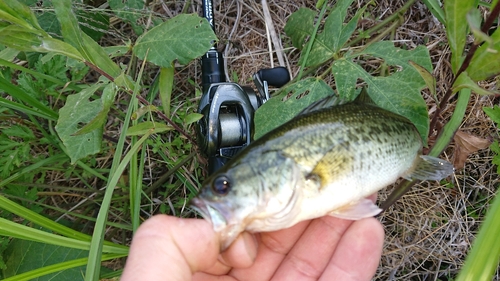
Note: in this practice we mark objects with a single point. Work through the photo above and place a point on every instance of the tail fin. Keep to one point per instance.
(431, 168)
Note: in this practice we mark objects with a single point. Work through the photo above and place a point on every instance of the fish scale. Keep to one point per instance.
(325, 161)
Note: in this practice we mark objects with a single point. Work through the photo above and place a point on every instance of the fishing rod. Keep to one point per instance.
(227, 107)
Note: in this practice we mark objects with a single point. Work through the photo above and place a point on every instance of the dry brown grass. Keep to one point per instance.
(430, 229)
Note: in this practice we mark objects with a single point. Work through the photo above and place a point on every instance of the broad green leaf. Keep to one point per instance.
(334, 35)
(148, 127)
(19, 14)
(457, 28)
(430, 81)
(8, 54)
(399, 57)
(299, 26)
(60, 47)
(117, 51)
(292, 99)
(68, 269)
(345, 81)
(464, 81)
(495, 147)
(89, 49)
(399, 92)
(474, 20)
(485, 62)
(493, 113)
(17, 38)
(48, 21)
(181, 38)
(77, 112)
(123, 80)
(107, 99)
(130, 10)
(336, 32)
(192, 117)
(332, 38)
(23, 256)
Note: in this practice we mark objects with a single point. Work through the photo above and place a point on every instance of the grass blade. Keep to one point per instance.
(435, 8)
(16, 230)
(93, 267)
(166, 83)
(482, 260)
(17, 93)
(117, 168)
(30, 275)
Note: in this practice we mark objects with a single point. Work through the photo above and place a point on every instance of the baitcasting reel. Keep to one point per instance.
(228, 108)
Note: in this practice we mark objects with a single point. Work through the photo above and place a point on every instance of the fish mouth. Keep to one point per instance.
(209, 213)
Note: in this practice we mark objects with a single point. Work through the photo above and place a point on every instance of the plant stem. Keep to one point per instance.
(383, 23)
(169, 173)
(311, 40)
(486, 26)
(145, 102)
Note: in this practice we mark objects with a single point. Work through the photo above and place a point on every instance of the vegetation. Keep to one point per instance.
(95, 138)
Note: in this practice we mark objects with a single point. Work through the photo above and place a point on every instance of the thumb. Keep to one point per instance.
(173, 248)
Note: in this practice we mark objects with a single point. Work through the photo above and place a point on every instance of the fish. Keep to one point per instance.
(324, 161)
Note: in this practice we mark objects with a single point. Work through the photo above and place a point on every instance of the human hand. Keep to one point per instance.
(327, 248)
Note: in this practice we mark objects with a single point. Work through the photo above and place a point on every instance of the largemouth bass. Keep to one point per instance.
(325, 161)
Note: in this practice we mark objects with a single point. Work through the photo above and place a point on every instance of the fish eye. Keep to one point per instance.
(221, 185)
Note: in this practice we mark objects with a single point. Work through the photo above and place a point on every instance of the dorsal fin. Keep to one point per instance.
(329, 101)
(363, 97)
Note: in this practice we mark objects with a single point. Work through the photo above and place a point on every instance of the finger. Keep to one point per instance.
(167, 245)
(310, 255)
(219, 268)
(202, 276)
(273, 247)
(358, 253)
(242, 253)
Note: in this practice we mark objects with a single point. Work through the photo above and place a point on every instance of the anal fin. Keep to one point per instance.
(362, 209)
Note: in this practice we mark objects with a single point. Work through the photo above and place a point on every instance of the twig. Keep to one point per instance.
(274, 37)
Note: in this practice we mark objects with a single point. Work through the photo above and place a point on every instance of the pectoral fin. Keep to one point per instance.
(362, 209)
